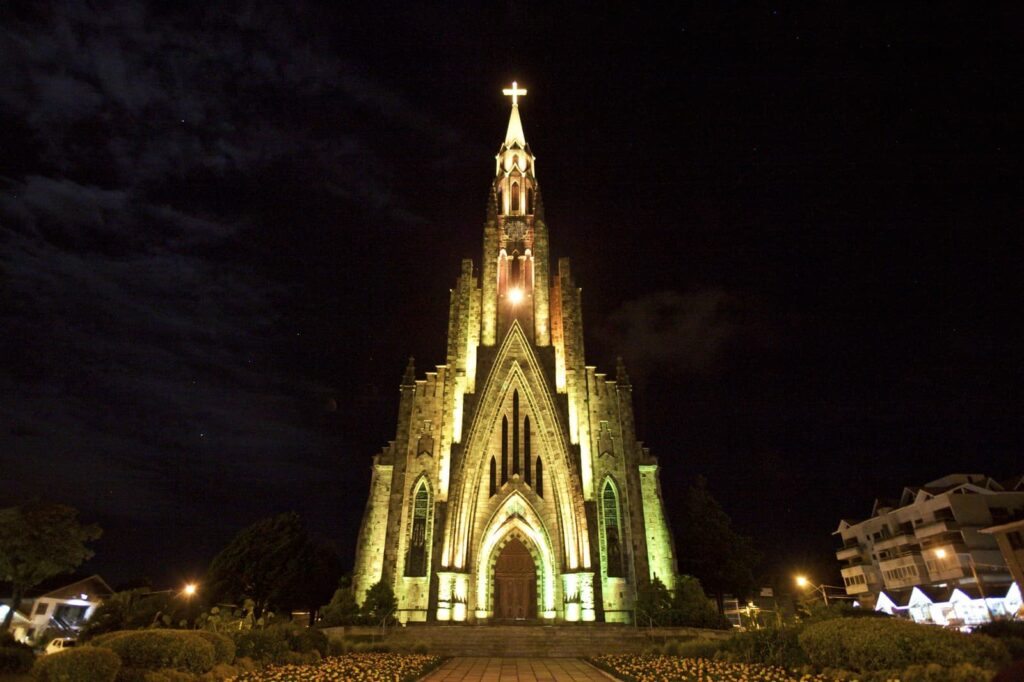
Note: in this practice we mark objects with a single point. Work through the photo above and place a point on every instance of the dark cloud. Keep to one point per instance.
(684, 332)
(151, 337)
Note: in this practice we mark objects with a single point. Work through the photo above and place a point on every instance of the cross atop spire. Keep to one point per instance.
(514, 93)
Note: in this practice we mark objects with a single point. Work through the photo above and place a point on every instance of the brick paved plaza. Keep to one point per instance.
(517, 670)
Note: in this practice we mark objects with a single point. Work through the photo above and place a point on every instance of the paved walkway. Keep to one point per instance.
(517, 670)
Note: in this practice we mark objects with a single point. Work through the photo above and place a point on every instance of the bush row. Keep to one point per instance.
(15, 657)
(869, 648)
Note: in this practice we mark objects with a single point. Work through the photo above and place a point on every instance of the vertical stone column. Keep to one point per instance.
(489, 275)
(660, 553)
(541, 312)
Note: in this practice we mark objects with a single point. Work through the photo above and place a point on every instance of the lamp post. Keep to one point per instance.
(803, 583)
(940, 553)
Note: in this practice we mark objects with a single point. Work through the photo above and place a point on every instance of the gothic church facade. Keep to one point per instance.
(515, 487)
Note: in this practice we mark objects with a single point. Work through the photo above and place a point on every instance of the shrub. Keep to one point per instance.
(770, 646)
(267, 645)
(84, 664)
(305, 640)
(223, 646)
(15, 657)
(865, 644)
(698, 648)
(1010, 633)
(336, 647)
(156, 649)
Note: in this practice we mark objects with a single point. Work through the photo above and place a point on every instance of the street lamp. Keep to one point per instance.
(803, 583)
(940, 553)
(190, 589)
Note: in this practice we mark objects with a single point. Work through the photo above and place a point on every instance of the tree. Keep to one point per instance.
(38, 541)
(653, 603)
(274, 563)
(692, 608)
(343, 608)
(722, 559)
(380, 603)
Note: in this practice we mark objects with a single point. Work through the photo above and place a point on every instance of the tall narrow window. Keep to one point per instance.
(610, 502)
(540, 477)
(526, 449)
(515, 266)
(515, 432)
(513, 203)
(529, 200)
(417, 563)
(501, 198)
(504, 450)
(494, 478)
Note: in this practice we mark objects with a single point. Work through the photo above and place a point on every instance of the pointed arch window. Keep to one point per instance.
(540, 478)
(611, 518)
(419, 540)
(526, 449)
(494, 478)
(513, 202)
(504, 450)
(529, 200)
(515, 432)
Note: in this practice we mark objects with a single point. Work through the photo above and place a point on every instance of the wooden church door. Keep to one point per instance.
(515, 583)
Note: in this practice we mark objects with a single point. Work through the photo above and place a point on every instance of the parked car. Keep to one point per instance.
(59, 644)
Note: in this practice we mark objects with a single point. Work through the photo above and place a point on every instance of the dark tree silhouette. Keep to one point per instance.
(277, 565)
(709, 548)
(38, 541)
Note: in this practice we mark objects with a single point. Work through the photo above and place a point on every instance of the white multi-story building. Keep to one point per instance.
(926, 553)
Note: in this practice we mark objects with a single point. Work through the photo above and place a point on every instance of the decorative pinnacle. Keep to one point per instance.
(409, 378)
(514, 93)
(621, 378)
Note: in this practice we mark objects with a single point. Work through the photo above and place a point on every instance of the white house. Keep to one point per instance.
(65, 609)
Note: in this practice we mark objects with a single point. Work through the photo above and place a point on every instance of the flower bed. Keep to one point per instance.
(354, 667)
(675, 669)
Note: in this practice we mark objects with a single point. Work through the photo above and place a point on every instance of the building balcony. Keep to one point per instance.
(904, 571)
(861, 579)
(950, 566)
(931, 528)
(848, 552)
(895, 541)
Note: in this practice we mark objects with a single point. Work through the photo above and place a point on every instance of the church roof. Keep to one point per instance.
(515, 134)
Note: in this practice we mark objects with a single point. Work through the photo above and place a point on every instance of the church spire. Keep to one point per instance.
(515, 271)
(515, 135)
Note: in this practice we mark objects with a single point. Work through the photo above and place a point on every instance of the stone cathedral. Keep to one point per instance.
(515, 487)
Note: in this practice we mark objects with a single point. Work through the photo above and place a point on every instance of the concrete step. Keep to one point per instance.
(522, 640)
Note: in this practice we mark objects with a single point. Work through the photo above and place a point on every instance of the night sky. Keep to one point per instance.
(224, 227)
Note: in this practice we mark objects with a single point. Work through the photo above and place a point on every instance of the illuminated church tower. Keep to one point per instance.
(515, 487)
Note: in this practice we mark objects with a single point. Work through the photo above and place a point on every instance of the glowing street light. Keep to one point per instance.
(190, 589)
(803, 582)
(515, 296)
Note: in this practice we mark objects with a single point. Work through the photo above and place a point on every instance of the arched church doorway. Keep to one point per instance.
(515, 583)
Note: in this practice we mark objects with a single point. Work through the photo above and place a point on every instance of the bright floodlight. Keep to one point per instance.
(941, 553)
(190, 589)
(515, 296)
(801, 581)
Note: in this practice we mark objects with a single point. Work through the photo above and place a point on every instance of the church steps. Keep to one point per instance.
(523, 640)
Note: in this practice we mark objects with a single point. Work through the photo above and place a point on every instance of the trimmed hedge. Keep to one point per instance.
(158, 649)
(269, 645)
(865, 644)
(770, 646)
(82, 664)
(16, 657)
(223, 646)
